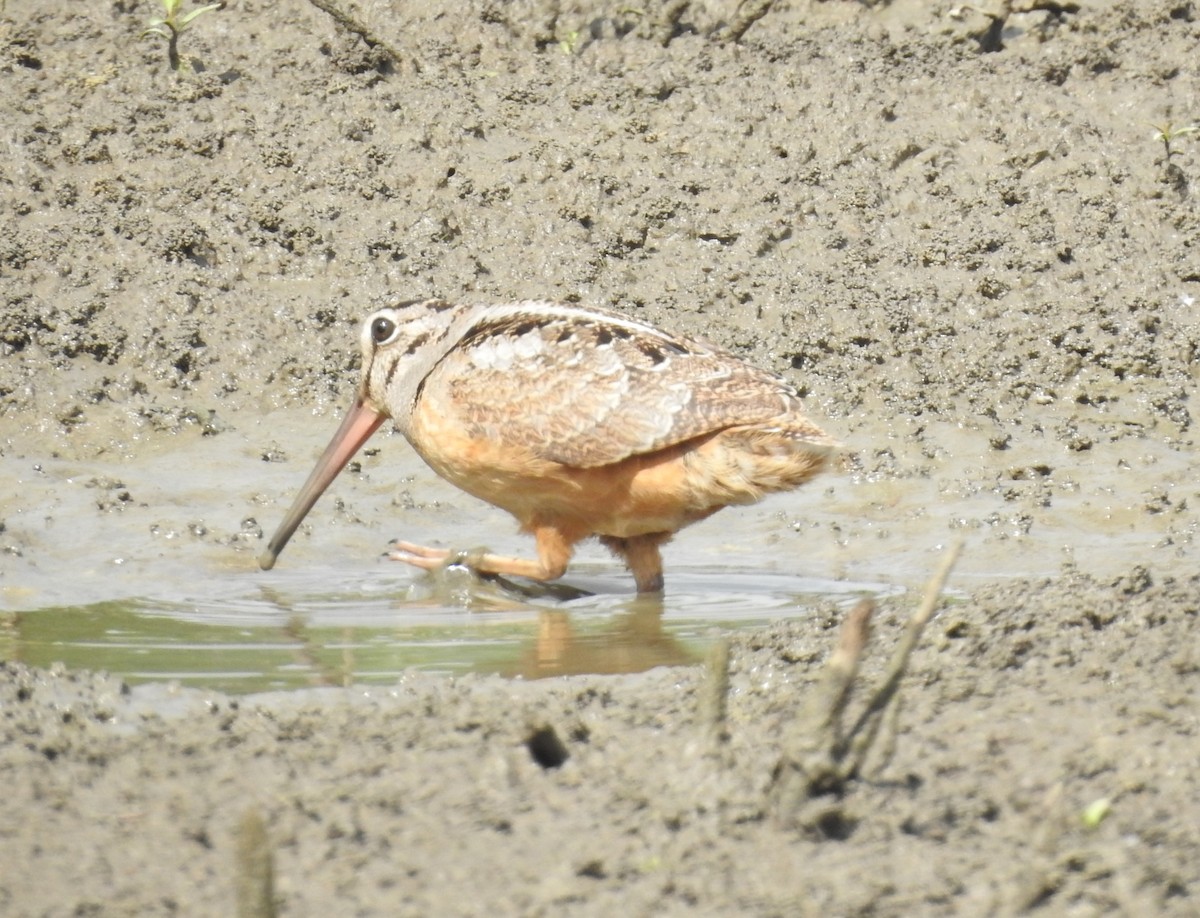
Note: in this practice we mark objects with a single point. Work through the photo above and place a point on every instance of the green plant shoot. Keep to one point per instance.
(173, 24)
(1168, 132)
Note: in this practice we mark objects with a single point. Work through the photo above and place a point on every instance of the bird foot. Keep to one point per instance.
(480, 563)
(477, 560)
(432, 559)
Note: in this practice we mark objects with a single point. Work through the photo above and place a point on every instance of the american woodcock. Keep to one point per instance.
(579, 422)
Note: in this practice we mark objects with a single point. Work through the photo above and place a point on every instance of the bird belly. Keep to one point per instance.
(657, 492)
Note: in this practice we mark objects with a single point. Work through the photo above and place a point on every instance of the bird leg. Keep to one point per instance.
(642, 557)
(554, 551)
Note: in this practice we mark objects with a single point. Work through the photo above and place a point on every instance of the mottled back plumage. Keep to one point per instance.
(588, 388)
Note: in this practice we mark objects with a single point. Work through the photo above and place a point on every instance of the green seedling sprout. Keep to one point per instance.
(570, 43)
(1165, 133)
(173, 24)
(1095, 812)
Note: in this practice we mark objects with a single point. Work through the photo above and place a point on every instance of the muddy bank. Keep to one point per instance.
(1025, 707)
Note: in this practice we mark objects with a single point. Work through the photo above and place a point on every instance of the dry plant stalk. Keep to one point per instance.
(747, 13)
(826, 756)
(666, 23)
(255, 868)
(350, 24)
(714, 697)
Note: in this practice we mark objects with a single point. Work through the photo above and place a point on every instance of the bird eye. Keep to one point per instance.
(382, 329)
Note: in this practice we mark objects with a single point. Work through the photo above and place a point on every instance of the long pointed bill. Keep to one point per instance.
(360, 422)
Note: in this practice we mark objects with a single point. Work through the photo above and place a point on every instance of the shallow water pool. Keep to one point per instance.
(307, 629)
(141, 561)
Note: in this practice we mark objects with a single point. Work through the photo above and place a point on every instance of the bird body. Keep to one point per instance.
(579, 422)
